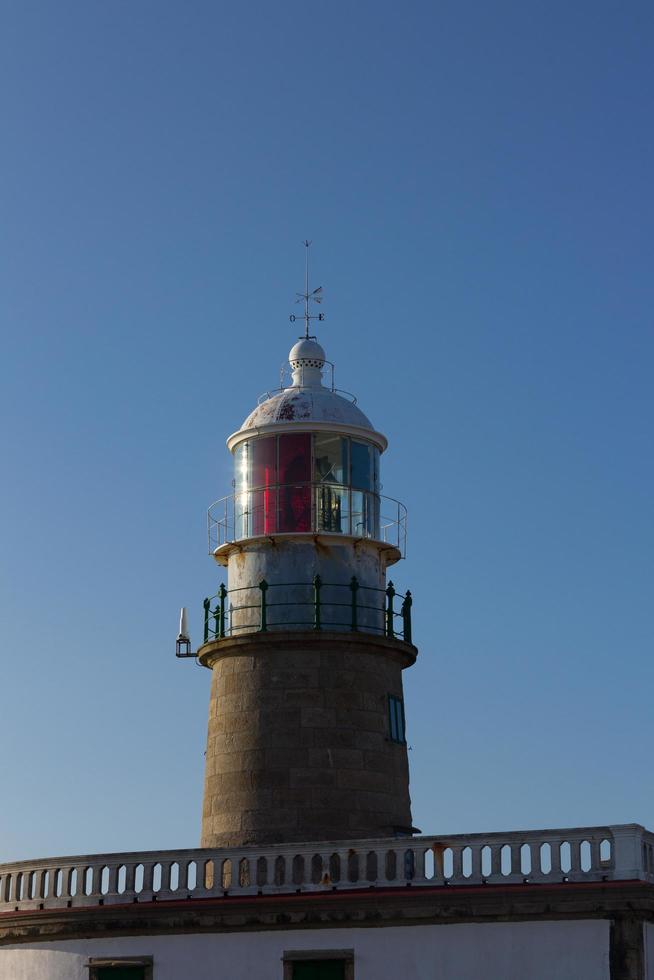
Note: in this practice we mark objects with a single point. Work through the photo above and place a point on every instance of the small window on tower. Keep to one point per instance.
(396, 719)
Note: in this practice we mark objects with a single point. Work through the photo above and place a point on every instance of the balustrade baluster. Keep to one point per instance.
(96, 880)
(419, 864)
(496, 860)
(14, 884)
(268, 874)
(555, 851)
(80, 886)
(66, 881)
(39, 887)
(575, 856)
(457, 863)
(476, 863)
(516, 861)
(595, 857)
(439, 871)
(130, 881)
(166, 867)
(148, 878)
(344, 858)
(113, 881)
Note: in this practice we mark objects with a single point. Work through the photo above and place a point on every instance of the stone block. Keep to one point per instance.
(347, 680)
(327, 798)
(312, 777)
(366, 823)
(273, 720)
(244, 761)
(371, 740)
(318, 717)
(378, 761)
(345, 738)
(234, 721)
(224, 822)
(289, 679)
(343, 698)
(239, 800)
(286, 659)
(366, 800)
(305, 697)
(292, 738)
(377, 701)
(365, 721)
(363, 779)
(238, 741)
(285, 796)
(336, 758)
(273, 818)
(287, 758)
(273, 779)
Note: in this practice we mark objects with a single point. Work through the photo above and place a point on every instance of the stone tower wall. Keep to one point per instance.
(298, 744)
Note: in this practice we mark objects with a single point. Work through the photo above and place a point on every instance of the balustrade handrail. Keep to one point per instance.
(389, 525)
(393, 623)
(533, 857)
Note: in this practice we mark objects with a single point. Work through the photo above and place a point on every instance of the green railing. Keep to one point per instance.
(319, 605)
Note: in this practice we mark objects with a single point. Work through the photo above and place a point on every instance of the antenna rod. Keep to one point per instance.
(315, 296)
(306, 289)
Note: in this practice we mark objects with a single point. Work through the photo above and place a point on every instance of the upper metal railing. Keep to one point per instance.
(531, 858)
(317, 508)
(316, 605)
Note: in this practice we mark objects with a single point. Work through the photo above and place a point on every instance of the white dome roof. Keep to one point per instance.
(297, 404)
(308, 402)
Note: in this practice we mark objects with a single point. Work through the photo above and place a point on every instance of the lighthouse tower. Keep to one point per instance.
(307, 639)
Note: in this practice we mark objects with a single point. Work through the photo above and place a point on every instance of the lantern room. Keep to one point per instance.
(307, 461)
(299, 482)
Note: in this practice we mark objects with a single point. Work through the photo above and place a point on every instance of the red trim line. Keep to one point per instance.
(337, 895)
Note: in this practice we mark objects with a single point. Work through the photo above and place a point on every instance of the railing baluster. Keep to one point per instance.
(317, 585)
(222, 594)
(263, 623)
(354, 587)
(406, 617)
(390, 593)
(207, 606)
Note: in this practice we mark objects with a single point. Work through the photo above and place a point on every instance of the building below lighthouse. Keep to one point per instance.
(309, 866)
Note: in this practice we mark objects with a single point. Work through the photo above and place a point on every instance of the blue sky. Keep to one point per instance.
(476, 179)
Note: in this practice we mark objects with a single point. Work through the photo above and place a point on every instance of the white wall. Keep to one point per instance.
(489, 951)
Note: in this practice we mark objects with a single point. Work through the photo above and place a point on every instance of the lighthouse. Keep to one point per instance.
(307, 636)
(309, 866)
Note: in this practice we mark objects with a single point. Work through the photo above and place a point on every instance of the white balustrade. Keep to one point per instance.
(624, 852)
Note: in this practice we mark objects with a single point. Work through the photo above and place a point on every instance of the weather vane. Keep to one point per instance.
(315, 296)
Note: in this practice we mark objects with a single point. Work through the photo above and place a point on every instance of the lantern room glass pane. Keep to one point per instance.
(264, 462)
(241, 487)
(330, 458)
(263, 501)
(362, 474)
(332, 509)
(295, 482)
